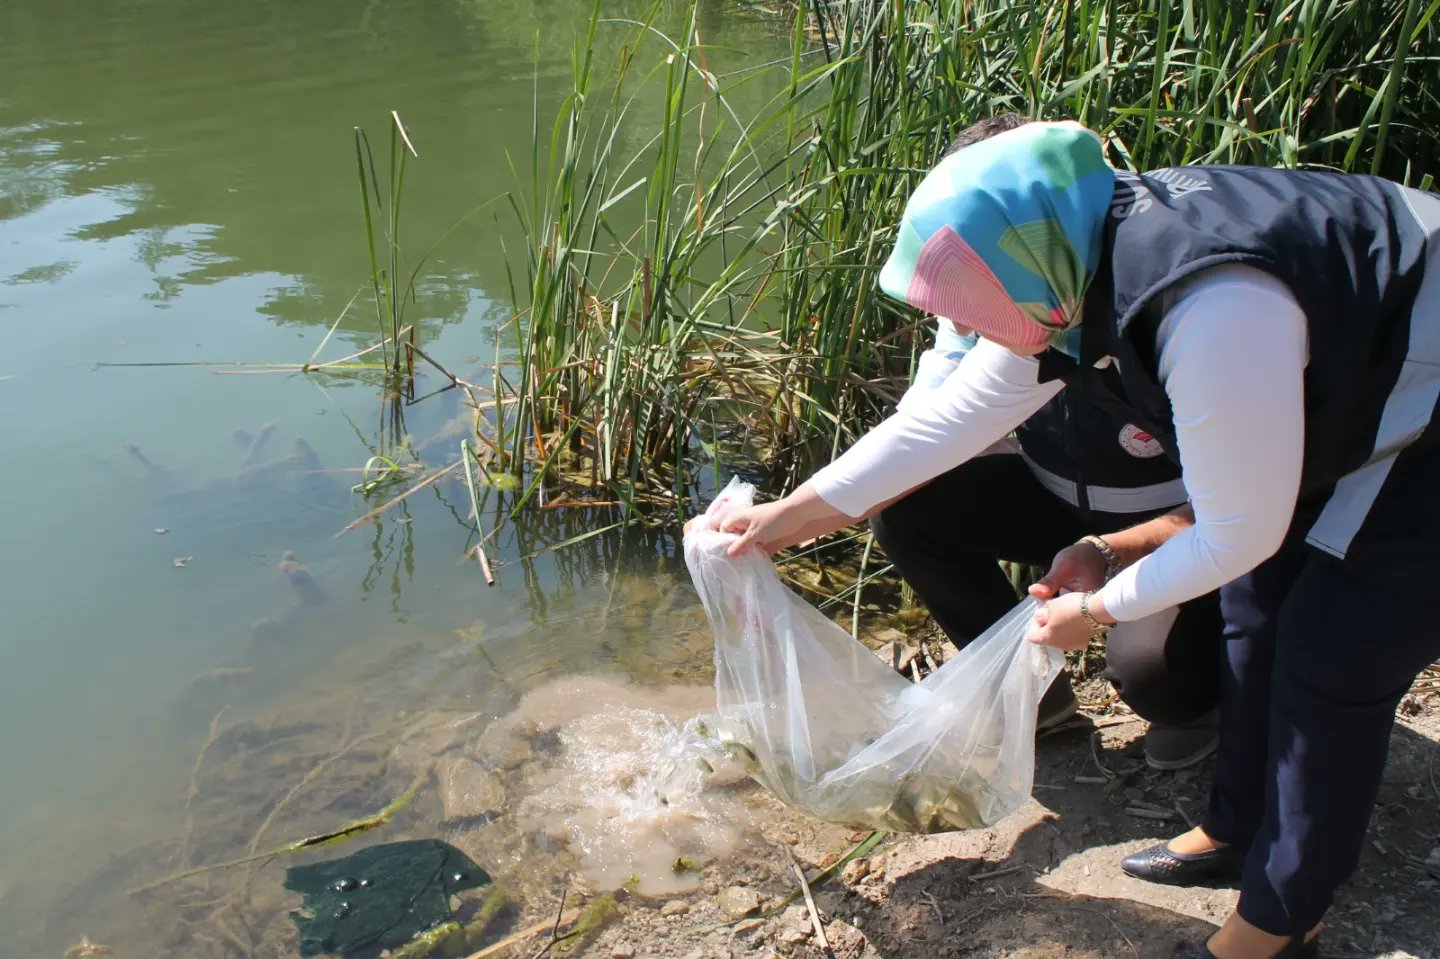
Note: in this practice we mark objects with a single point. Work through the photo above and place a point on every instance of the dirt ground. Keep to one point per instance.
(1045, 883)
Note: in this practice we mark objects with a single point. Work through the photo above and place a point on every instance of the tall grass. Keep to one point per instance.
(723, 271)
(384, 205)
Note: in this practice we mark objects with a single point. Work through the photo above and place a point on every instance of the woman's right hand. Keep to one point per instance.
(1075, 569)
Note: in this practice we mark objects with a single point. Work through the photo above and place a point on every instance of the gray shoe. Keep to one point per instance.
(1178, 747)
(1057, 705)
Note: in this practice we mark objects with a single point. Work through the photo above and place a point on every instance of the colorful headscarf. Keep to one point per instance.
(1003, 236)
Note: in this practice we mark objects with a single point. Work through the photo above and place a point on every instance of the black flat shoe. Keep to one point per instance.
(1160, 864)
(1298, 948)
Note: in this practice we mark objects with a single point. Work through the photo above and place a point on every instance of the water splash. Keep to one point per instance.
(640, 790)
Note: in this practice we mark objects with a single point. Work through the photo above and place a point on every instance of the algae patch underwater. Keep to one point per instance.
(380, 896)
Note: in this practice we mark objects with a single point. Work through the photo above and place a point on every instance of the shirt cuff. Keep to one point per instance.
(1118, 595)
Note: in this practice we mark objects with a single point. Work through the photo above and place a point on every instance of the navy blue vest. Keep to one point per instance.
(1352, 249)
(1114, 466)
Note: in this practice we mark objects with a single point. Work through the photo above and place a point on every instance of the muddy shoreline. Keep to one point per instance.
(546, 788)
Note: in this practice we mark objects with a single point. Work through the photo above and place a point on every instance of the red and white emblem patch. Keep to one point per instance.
(1139, 443)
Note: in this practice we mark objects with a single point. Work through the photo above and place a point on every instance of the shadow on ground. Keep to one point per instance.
(1046, 882)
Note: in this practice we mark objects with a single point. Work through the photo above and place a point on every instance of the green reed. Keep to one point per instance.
(384, 205)
(723, 272)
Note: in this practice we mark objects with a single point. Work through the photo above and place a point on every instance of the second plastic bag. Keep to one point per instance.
(834, 732)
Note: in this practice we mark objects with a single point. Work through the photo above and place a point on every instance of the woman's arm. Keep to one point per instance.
(1232, 360)
(1139, 541)
(989, 394)
(1082, 568)
(937, 363)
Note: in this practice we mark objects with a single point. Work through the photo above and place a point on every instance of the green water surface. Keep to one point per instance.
(177, 185)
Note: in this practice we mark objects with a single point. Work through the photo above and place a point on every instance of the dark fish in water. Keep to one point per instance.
(256, 447)
(298, 577)
(151, 470)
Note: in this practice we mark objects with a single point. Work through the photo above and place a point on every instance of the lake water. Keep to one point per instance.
(177, 185)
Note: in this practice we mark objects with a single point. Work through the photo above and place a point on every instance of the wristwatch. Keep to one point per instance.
(1098, 630)
(1112, 558)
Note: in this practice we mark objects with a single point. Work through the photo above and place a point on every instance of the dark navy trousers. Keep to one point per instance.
(1317, 659)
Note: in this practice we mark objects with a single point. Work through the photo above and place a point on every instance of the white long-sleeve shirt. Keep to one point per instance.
(1232, 345)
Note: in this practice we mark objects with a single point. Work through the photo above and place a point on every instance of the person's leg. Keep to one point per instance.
(1166, 667)
(1250, 608)
(947, 537)
(1346, 651)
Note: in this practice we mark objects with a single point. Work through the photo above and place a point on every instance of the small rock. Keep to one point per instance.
(797, 917)
(792, 936)
(517, 753)
(468, 790)
(746, 927)
(737, 901)
(855, 870)
(1135, 792)
(897, 655)
(675, 907)
(1434, 858)
(845, 938)
(622, 950)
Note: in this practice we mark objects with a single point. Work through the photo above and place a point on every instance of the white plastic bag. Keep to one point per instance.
(838, 734)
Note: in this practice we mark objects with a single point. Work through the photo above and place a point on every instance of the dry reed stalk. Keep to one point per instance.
(815, 923)
(530, 932)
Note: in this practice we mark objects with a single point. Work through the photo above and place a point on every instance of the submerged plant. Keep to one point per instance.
(333, 837)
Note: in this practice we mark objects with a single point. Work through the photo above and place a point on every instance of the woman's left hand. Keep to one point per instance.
(1058, 623)
(771, 527)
